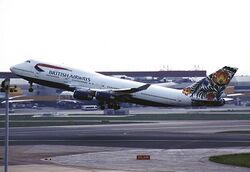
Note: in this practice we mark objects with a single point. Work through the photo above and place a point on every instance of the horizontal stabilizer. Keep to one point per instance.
(228, 99)
(235, 95)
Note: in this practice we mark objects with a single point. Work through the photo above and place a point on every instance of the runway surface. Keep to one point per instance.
(161, 135)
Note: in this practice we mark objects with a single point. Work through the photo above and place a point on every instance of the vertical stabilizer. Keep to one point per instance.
(208, 91)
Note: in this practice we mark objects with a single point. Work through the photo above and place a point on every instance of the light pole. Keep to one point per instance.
(5, 88)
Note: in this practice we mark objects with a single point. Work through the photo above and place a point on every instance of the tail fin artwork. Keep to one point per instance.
(208, 91)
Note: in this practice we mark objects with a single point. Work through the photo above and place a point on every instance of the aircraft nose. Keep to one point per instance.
(12, 68)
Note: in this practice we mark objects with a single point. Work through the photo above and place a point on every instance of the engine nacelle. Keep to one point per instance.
(104, 96)
(83, 95)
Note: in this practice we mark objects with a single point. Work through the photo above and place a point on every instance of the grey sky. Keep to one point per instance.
(126, 35)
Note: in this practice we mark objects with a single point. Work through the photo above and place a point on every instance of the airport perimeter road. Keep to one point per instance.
(163, 135)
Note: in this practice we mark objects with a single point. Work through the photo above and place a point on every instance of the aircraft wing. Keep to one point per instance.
(115, 91)
(235, 95)
(166, 84)
(130, 90)
(76, 86)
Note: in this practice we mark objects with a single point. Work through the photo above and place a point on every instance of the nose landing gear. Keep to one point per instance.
(31, 89)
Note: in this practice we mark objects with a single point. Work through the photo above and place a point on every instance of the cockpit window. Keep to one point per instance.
(28, 61)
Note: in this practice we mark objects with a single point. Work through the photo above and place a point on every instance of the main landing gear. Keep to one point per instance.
(109, 105)
(31, 89)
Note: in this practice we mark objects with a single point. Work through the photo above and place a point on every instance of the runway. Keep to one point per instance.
(173, 145)
(159, 135)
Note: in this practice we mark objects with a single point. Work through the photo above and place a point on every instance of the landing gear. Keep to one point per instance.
(109, 105)
(113, 105)
(31, 89)
(116, 106)
(102, 107)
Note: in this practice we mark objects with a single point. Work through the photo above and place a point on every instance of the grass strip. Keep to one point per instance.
(235, 132)
(241, 160)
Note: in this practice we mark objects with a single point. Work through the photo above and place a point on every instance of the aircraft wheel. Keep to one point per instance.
(31, 89)
(116, 107)
(102, 107)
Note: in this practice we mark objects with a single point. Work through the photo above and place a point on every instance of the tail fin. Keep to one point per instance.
(209, 90)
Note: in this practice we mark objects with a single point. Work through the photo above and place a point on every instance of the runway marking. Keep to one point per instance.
(145, 127)
(226, 141)
(232, 127)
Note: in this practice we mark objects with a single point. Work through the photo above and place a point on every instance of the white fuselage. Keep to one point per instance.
(54, 75)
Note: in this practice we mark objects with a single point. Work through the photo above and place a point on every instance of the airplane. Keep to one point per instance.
(111, 91)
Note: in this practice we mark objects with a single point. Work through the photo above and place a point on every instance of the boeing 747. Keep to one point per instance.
(110, 91)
